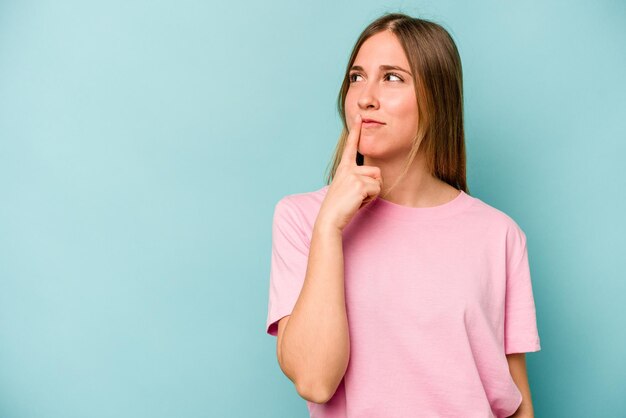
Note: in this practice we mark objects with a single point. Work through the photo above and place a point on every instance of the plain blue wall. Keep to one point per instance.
(143, 146)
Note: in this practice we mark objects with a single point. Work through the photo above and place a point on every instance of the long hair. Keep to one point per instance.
(438, 80)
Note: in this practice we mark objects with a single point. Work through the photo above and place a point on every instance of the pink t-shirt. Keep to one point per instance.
(435, 298)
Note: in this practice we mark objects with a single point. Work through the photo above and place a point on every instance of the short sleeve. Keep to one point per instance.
(290, 253)
(520, 322)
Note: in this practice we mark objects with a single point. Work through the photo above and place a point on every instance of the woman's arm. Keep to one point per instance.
(517, 367)
(315, 348)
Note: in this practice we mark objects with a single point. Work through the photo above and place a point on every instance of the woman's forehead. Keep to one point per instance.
(383, 48)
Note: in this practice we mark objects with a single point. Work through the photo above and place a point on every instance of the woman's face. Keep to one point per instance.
(386, 95)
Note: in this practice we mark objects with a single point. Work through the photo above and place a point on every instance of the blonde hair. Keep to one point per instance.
(438, 79)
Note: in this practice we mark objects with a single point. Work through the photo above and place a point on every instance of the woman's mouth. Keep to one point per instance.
(372, 124)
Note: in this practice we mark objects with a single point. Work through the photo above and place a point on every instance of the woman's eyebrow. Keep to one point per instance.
(382, 67)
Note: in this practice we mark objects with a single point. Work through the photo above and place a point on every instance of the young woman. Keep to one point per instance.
(393, 292)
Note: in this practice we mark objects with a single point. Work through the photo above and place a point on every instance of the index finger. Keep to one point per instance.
(352, 142)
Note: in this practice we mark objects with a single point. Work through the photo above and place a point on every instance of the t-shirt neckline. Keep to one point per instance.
(397, 211)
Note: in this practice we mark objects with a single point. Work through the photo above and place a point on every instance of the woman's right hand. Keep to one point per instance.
(352, 187)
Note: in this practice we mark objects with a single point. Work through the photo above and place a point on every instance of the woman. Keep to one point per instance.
(393, 292)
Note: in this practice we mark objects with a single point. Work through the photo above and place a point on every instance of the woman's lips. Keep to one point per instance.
(372, 124)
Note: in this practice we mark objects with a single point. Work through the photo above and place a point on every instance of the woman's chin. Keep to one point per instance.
(381, 153)
(369, 146)
(371, 153)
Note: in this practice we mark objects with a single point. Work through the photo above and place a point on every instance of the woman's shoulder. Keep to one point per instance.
(303, 205)
(305, 199)
(494, 216)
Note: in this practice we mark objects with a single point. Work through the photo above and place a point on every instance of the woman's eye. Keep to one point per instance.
(352, 79)
(394, 75)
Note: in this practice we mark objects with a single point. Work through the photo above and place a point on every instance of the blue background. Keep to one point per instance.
(143, 146)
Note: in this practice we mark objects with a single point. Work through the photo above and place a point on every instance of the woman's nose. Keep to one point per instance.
(369, 97)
